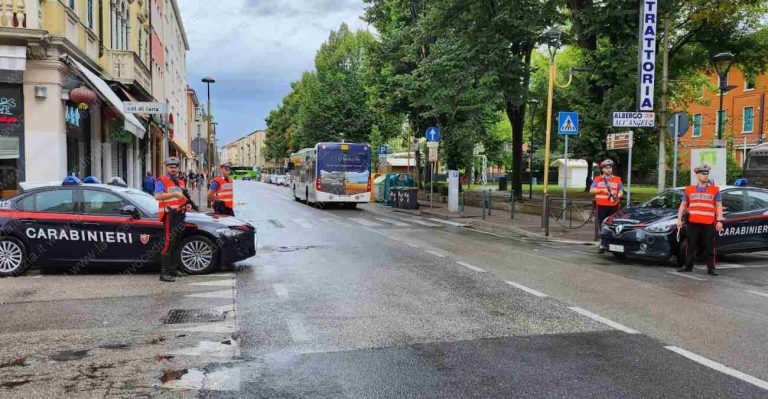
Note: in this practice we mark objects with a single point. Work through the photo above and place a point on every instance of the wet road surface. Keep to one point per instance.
(370, 303)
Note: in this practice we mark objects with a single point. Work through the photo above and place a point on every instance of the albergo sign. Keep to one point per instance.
(647, 55)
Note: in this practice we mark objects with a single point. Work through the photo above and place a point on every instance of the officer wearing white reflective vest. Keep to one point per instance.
(704, 206)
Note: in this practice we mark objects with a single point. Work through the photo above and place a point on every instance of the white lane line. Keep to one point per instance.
(230, 274)
(303, 223)
(719, 367)
(298, 332)
(526, 289)
(423, 223)
(365, 222)
(226, 327)
(216, 283)
(448, 222)
(468, 266)
(334, 221)
(734, 266)
(688, 276)
(603, 320)
(393, 222)
(765, 294)
(412, 245)
(585, 252)
(225, 294)
(280, 291)
(438, 254)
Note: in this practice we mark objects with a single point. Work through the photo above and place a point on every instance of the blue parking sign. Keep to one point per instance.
(383, 150)
(568, 123)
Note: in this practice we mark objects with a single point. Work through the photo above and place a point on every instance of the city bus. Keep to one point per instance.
(332, 173)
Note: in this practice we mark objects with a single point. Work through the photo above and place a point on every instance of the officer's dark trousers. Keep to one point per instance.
(604, 211)
(701, 238)
(221, 209)
(173, 226)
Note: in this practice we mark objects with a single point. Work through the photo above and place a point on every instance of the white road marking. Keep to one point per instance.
(209, 348)
(719, 367)
(226, 327)
(765, 294)
(448, 222)
(526, 289)
(365, 222)
(603, 320)
(225, 294)
(688, 276)
(393, 222)
(438, 254)
(280, 291)
(468, 266)
(585, 252)
(303, 223)
(230, 274)
(412, 245)
(216, 283)
(734, 266)
(423, 223)
(335, 222)
(298, 332)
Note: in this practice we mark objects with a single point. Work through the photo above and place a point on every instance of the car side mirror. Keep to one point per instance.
(130, 210)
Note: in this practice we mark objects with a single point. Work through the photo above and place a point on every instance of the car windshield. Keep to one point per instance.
(666, 200)
(144, 200)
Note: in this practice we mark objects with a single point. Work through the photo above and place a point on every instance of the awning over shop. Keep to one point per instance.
(181, 149)
(131, 123)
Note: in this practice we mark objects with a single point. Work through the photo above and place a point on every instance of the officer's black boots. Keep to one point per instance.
(684, 270)
(167, 277)
(712, 272)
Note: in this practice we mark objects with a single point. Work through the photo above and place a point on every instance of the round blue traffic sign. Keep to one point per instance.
(433, 134)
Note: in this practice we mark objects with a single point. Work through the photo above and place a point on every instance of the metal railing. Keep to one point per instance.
(569, 214)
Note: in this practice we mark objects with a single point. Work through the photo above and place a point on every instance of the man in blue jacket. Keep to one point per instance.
(148, 186)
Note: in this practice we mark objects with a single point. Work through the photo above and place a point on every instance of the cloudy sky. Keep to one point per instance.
(255, 49)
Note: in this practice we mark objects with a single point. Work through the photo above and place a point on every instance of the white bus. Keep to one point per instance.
(332, 173)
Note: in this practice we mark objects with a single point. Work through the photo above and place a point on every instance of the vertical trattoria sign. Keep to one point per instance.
(647, 55)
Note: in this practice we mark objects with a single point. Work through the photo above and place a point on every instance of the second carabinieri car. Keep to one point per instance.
(76, 225)
(650, 229)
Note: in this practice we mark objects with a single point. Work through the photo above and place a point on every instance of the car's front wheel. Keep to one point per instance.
(197, 255)
(13, 257)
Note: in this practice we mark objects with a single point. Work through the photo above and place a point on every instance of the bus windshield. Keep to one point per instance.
(344, 169)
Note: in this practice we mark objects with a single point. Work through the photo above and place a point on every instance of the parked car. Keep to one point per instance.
(650, 229)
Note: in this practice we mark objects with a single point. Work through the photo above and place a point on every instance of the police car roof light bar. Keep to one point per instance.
(92, 180)
(71, 181)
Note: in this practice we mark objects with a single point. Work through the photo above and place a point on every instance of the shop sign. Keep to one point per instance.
(11, 109)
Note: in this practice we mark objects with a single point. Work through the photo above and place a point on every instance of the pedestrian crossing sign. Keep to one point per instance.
(568, 123)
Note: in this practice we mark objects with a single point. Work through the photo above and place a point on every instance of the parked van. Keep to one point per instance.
(756, 167)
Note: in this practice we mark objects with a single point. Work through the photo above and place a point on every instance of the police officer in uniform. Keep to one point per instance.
(608, 191)
(705, 216)
(220, 192)
(172, 206)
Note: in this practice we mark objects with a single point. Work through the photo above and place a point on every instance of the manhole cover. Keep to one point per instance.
(181, 316)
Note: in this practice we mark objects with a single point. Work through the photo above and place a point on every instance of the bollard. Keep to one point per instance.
(484, 204)
(597, 225)
(489, 202)
(512, 206)
(546, 206)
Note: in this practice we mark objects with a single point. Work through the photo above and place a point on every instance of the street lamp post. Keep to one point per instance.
(533, 103)
(723, 62)
(211, 157)
(553, 43)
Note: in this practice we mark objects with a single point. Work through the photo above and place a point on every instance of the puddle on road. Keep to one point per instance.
(20, 362)
(13, 384)
(115, 346)
(66, 356)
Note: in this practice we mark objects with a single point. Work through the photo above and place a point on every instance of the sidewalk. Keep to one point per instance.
(499, 222)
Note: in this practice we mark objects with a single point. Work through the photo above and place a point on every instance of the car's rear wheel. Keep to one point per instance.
(197, 255)
(13, 257)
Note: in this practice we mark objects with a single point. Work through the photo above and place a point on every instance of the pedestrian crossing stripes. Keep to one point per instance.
(303, 223)
(346, 222)
(423, 223)
(365, 222)
(393, 222)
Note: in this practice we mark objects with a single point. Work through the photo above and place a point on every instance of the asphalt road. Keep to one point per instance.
(369, 303)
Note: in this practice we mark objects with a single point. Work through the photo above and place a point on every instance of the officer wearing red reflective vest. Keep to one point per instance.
(705, 216)
(608, 191)
(172, 205)
(220, 192)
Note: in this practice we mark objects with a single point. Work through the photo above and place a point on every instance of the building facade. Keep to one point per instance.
(743, 113)
(168, 54)
(247, 151)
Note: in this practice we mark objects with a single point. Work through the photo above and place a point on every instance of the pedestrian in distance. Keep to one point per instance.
(148, 185)
(608, 190)
(704, 206)
(169, 193)
(220, 193)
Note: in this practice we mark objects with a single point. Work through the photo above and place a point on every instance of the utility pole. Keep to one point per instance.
(211, 145)
(662, 167)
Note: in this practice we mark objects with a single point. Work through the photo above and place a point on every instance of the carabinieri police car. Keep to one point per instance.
(76, 225)
(650, 229)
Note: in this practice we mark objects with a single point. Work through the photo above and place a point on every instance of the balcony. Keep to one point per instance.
(20, 14)
(127, 68)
